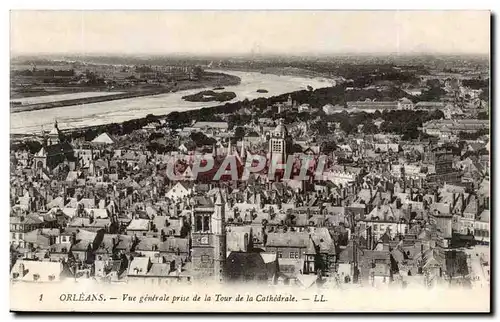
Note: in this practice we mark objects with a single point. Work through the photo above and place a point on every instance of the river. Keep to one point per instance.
(126, 109)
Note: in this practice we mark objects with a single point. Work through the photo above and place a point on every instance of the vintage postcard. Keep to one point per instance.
(250, 161)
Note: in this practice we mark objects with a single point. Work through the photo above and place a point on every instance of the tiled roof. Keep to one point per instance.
(288, 239)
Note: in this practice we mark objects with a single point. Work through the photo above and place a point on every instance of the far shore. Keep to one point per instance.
(224, 79)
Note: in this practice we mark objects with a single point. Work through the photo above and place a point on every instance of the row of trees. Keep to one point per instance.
(405, 123)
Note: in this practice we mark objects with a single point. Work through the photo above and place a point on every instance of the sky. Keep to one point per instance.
(247, 32)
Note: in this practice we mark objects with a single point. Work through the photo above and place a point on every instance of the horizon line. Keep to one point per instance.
(246, 55)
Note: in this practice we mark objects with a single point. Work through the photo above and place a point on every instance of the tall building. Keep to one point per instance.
(209, 240)
(442, 159)
(53, 151)
(279, 143)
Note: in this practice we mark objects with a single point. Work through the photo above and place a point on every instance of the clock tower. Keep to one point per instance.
(209, 240)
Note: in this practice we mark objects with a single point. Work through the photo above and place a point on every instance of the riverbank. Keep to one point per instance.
(209, 79)
(119, 111)
(283, 71)
(177, 117)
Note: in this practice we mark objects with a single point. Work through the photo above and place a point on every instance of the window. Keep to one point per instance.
(198, 223)
(206, 223)
(205, 258)
(13, 235)
(280, 255)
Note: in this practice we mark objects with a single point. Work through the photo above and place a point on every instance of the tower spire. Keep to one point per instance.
(243, 152)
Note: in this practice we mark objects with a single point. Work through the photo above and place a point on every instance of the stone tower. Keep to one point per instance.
(219, 240)
(279, 143)
(209, 240)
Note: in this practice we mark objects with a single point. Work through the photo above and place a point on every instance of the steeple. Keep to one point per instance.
(54, 134)
(218, 198)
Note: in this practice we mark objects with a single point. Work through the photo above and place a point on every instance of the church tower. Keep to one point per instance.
(279, 143)
(54, 136)
(219, 241)
(209, 240)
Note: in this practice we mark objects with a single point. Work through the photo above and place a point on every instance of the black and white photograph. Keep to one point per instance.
(249, 161)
